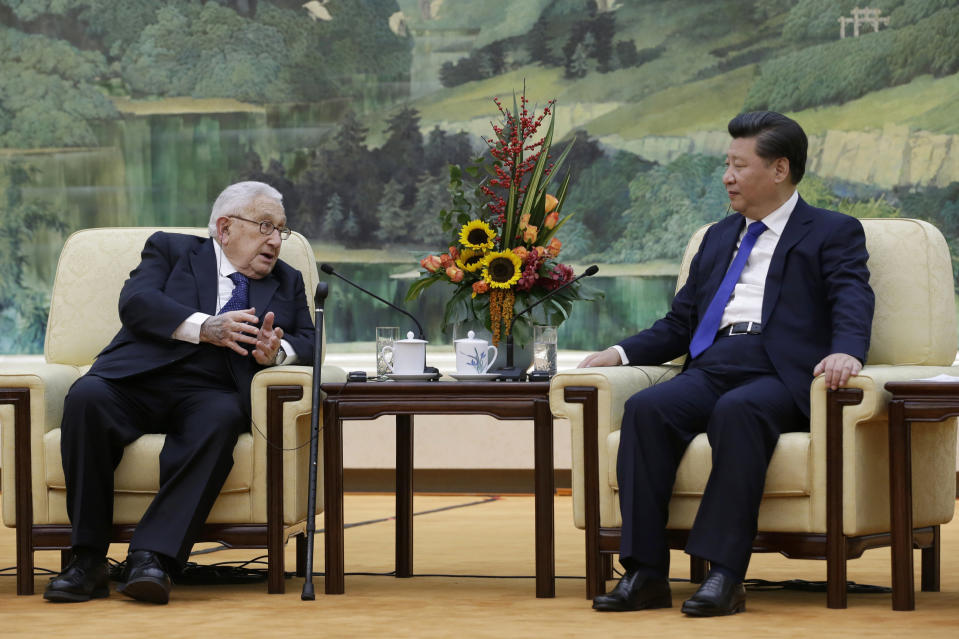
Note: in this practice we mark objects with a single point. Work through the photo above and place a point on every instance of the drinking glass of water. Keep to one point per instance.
(385, 336)
(544, 349)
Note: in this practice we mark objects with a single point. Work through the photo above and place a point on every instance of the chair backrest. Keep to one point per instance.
(93, 266)
(910, 271)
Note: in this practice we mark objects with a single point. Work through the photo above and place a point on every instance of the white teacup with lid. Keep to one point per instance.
(409, 355)
(473, 356)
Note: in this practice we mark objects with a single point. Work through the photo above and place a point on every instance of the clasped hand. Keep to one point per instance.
(234, 328)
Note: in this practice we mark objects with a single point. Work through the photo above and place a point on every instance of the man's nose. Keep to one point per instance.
(274, 239)
(728, 176)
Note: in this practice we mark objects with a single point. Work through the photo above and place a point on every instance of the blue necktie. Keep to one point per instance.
(709, 326)
(241, 294)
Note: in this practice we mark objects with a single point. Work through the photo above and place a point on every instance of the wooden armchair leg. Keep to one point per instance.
(697, 570)
(930, 564)
(595, 570)
(836, 579)
(24, 565)
(22, 484)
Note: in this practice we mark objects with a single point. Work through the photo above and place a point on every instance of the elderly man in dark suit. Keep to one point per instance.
(200, 316)
(777, 293)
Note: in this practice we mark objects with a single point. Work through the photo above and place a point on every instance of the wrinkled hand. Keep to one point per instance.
(609, 357)
(267, 341)
(231, 329)
(838, 368)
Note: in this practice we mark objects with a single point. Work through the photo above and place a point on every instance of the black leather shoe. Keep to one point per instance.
(636, 591)
(147, 579)
(718, 595)
(86, 577)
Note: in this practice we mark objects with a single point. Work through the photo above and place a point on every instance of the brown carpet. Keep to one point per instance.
(494, 538)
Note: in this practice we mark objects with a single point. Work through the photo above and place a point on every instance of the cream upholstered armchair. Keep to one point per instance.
(263, 501)
(827, 491)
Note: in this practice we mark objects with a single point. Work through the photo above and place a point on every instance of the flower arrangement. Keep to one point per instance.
(503, 247)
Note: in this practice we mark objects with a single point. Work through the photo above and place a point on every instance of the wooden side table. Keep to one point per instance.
(369, 400)
(915, 401)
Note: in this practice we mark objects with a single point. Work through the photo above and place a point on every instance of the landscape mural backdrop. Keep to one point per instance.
(139, 112)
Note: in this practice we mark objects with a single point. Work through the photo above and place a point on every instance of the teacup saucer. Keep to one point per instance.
(410, 377)
(474, 377)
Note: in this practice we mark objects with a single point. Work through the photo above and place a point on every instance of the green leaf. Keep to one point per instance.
(544, 238)
(419, 285)
(533, 185)
(556, 166)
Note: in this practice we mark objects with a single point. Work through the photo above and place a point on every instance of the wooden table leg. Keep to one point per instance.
(333, 498)
(544, 489)
(900, 503)
(404, 495)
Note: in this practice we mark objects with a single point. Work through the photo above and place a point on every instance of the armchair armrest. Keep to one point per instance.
(872, 380)
(614, 385)
(31, 395)
(281, 404)
(840, 459)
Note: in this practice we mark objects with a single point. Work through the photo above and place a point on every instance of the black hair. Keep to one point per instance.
(776, 137)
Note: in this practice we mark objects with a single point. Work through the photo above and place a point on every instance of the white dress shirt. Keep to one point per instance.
(189, 330)
(746, 302)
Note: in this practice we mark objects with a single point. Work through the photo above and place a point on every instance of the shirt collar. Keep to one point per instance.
(226, 267)
(776, 221)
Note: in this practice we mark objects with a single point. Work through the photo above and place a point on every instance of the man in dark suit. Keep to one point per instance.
(777, 293)
(181, 364)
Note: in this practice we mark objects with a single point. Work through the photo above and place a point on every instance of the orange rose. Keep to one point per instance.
(445, 260)
(529, 235)
(523, 221)
(480, 287)
(455, 274)
(551, 203)
(431, 263)
(541, 251)
(554, 246)
(520, 252)
(454, 253)
(551, 220)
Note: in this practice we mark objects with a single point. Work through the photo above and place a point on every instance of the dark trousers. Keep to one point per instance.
(196, 404)
(731, 393)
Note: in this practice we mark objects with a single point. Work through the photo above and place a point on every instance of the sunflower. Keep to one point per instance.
(477, 235)
(470, 260)
(502, 269)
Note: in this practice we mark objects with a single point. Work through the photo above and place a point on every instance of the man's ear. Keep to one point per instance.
(223, 230)
(782, 170)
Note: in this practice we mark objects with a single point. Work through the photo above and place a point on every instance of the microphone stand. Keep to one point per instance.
(513, 373)
(326, 268)
(322, 289)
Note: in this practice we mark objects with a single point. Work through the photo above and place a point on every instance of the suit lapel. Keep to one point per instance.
(718, 260)
(203, 264)
(799, 224)
(261, 292)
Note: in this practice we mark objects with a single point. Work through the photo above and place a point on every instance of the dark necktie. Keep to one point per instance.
(709, 326)
(241, 294)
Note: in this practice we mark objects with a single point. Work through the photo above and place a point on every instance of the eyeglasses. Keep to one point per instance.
(267, 228)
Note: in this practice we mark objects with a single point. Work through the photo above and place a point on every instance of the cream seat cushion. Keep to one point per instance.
(787, 476)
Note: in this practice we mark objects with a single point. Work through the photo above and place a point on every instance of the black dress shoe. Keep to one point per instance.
(86, 577)
(147, 579)
(636, 591)
(718, 595)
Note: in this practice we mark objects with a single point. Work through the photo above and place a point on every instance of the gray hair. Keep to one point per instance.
(237, 197)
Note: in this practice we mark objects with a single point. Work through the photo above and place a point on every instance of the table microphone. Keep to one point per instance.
(322, 290)
(326, 268)
(511, 372)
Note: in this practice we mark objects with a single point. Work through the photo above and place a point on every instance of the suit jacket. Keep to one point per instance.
(176, 277)
(817, 298)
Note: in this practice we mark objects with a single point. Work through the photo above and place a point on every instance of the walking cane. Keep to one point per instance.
(322, 289)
